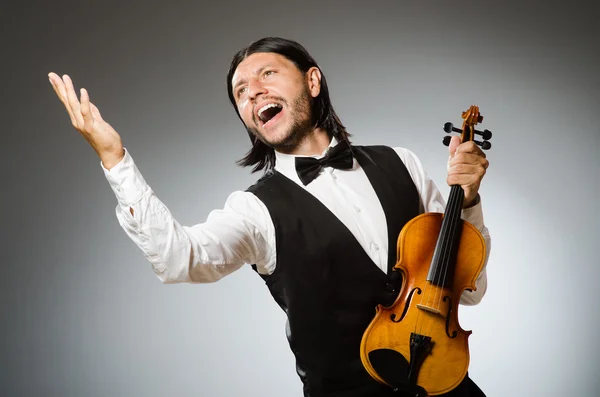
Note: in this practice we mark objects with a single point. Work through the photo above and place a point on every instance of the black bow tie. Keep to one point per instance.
(340, 157)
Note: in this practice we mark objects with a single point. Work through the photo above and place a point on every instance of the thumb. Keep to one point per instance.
(95, 112)
(454, 142)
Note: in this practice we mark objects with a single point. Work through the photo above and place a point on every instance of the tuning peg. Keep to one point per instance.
(485, 145)
(487, 134)
(449, 127)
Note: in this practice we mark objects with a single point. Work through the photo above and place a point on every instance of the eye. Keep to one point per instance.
(240, 91)
(268, 73)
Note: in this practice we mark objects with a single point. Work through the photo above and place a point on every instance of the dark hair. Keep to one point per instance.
(323, 115)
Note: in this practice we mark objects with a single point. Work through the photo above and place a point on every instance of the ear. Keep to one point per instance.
(314, 81)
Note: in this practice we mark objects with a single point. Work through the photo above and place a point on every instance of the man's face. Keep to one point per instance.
(273, 98)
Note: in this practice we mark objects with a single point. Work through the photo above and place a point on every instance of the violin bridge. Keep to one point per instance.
(430, 309)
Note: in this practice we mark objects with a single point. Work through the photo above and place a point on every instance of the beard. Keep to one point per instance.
(298, 131)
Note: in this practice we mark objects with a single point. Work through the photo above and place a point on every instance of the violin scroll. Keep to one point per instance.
(471, 118)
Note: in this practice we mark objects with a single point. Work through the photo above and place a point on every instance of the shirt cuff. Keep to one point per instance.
(474, 215)
(126, 181)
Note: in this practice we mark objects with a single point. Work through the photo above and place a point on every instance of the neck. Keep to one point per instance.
(313, 144)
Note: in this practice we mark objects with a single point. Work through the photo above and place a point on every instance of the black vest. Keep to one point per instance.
(324, 280)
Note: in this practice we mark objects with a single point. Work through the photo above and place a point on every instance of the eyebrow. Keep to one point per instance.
(243, 81)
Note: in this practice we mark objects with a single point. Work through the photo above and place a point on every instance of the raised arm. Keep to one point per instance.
(239, 233)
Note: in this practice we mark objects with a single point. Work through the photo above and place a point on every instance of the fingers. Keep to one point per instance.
(466, 175)
(88, 119)
(73, 101)
(59, 89)
(96, 112)
(470, 147)
(466, 167)
(84, 114)
(468, 158)
(469, 182)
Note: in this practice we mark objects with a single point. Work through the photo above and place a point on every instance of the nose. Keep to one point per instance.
(255, 88)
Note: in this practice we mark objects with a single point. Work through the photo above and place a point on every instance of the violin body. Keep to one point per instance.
(417, 344)
(427, 309)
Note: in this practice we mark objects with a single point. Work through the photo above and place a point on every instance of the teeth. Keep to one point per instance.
(267, 106)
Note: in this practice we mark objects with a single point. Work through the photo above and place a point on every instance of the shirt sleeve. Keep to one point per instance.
(432, 201)
(230, 237)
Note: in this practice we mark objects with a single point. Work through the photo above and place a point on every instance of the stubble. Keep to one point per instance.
(298, 131)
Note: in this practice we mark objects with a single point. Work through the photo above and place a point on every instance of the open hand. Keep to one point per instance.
(86, 119)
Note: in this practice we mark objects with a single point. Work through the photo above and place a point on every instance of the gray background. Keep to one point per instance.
(82, 312)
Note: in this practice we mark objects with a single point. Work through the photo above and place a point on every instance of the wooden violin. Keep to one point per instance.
(417, 344)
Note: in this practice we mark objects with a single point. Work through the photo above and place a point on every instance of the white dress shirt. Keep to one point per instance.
(243, 232)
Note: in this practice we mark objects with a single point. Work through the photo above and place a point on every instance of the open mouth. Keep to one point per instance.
(269, 112)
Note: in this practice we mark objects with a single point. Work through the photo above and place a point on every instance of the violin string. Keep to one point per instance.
(456, 202)
(456, 212)
(427, 295)
(440, 260)
(452, 212)
(440, 264)
(431, 291)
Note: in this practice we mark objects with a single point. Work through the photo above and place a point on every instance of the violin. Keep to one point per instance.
(417, 344)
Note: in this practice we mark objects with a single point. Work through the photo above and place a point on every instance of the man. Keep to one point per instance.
(321, 235)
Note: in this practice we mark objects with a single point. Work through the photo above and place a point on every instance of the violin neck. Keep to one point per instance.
(441, 271)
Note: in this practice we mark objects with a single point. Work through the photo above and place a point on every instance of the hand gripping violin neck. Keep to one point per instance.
(416, 345)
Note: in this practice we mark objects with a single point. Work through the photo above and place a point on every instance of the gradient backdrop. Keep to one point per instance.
(82, 312)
